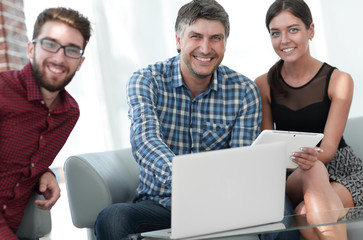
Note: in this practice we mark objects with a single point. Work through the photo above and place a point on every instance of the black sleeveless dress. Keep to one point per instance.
(306, 109)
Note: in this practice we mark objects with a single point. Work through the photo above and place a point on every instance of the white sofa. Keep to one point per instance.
(96, 180)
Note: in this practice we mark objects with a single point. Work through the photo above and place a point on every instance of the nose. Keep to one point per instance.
(205, 46)
(284, 38)
(59, 56)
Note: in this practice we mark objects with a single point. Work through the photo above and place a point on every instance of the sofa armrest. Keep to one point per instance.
(96, 180)
(36, 223)
(353, 135)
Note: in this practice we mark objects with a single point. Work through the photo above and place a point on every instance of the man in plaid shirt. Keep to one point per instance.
(187, 104)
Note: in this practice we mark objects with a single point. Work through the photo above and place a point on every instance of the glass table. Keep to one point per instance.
(294, 222)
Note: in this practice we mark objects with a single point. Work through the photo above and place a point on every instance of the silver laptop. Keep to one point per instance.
(223, 190)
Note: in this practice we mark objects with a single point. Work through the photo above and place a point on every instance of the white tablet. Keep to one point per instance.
(294, 140)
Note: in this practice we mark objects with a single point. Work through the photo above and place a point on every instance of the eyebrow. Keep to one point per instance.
(200, 34)
(221, 35)
(193, 33)
(68, 45)
(290, 26)
(294, 25)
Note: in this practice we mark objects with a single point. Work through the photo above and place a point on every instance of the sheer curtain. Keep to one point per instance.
(130, 34)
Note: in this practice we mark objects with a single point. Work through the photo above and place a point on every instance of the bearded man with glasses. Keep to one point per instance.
(37, 114)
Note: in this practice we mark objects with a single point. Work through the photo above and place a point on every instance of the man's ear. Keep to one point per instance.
(178, 42)
(80, 63)
(30, 50)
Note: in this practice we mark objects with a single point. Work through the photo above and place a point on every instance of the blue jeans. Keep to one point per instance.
(287, 235)
(126, 220)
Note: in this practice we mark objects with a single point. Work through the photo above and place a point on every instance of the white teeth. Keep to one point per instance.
(287, 49)
(55, 70)
(204, 59)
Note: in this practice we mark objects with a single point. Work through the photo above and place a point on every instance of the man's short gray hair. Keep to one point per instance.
(207, 9)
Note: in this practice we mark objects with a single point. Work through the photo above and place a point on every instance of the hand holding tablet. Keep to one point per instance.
(294, 141)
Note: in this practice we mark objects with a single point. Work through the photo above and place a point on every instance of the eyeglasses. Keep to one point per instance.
(53, 47)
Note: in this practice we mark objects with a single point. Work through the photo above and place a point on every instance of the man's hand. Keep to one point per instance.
(49, 187)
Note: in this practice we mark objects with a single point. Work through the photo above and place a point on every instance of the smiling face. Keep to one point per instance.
(289, 36)
(53, 71)
(202, 47)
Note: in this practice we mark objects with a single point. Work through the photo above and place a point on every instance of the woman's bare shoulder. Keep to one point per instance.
(261, 81)
(341, 84)
(340, 75)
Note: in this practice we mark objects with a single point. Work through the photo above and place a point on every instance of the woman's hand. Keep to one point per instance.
(307, 157)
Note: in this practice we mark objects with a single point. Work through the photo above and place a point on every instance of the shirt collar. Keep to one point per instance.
(178, 80)
(214, 81)
(33, 90)
(31, 86)
(177, 77)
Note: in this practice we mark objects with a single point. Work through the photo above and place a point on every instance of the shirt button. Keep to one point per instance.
(4, 206)
(17, 185)
(48, 114)
(41, 137)
(42, 102)
(32, 165)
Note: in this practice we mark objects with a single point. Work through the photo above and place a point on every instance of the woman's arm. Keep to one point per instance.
(340, 92)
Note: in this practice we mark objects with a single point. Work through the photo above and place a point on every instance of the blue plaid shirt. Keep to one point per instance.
(167, 121)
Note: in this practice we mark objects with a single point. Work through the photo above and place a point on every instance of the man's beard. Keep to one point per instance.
(42, 80)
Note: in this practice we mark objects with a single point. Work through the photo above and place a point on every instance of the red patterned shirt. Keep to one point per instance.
(30, 138)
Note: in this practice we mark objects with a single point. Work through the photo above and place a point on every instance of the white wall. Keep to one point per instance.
(342, 25)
